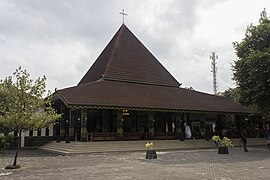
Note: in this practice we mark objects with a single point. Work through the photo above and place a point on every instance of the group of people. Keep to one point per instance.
(188, 135)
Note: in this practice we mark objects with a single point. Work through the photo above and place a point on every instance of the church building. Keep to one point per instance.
(127, 94)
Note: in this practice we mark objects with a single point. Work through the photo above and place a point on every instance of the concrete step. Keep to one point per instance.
(122, 146)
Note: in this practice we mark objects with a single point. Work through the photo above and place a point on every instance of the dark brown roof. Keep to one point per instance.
(131, 95)
(125, 58)
(127, 75)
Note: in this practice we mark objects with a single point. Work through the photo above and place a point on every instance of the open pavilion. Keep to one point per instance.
(127, 94)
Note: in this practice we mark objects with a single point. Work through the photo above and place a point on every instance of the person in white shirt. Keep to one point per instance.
(188, 133)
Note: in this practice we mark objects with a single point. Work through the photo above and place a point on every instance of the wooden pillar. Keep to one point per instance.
(182, 136)
(169, 117)
(219, 125)
(104, 121)
(178, 125)
(57, 128)
(204, 127)
(134, 121)
(237, 122)
(120, 121)
(72, 121)
(188, 120)
(62, 124)
(240, 123)
(151, 125)
(84, 125)
(68, 120)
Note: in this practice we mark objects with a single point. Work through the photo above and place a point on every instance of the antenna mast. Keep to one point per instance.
(213, 58)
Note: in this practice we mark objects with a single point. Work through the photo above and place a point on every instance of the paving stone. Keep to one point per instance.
(191, 164)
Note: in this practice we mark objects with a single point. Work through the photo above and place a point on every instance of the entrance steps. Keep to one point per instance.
(129, 146)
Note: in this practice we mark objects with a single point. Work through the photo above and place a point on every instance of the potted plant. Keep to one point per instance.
(223, 144)
(150, 152)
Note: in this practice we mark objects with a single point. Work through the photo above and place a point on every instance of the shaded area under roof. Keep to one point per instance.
(125, 58)
(132, 95)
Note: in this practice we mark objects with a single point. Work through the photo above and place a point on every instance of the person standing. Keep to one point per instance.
(188, 133)
(244, 140)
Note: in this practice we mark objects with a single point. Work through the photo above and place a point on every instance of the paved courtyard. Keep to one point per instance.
(193, 164)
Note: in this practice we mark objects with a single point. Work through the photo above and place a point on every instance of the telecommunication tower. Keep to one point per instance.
(213, 58)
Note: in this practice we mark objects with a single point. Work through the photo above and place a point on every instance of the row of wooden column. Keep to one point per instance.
(66, 126)
(180, 119)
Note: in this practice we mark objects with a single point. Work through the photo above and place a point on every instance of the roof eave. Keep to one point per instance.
(112, 107)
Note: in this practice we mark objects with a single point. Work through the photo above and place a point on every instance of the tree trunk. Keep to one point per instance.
(15, 158)
(18, 147)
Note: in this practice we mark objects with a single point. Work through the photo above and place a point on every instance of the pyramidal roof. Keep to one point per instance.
(126, 59)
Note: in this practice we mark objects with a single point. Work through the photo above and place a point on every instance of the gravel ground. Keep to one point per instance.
(194, 164)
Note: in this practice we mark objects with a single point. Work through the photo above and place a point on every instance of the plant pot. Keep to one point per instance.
(223, 150)
(151, 154)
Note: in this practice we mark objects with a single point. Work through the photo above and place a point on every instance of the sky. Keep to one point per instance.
(62, 39)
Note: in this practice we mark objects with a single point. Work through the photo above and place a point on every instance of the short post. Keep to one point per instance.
(67, 132)
(58, 131)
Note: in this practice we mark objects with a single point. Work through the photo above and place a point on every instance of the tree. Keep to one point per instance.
(5, 138)
(230, 93)
(251, 71)
(23, 106)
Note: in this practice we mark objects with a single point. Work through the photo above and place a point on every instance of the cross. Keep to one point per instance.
(123, 14)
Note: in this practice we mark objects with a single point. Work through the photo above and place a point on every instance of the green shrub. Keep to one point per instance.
(6, 141)
(225, 142)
